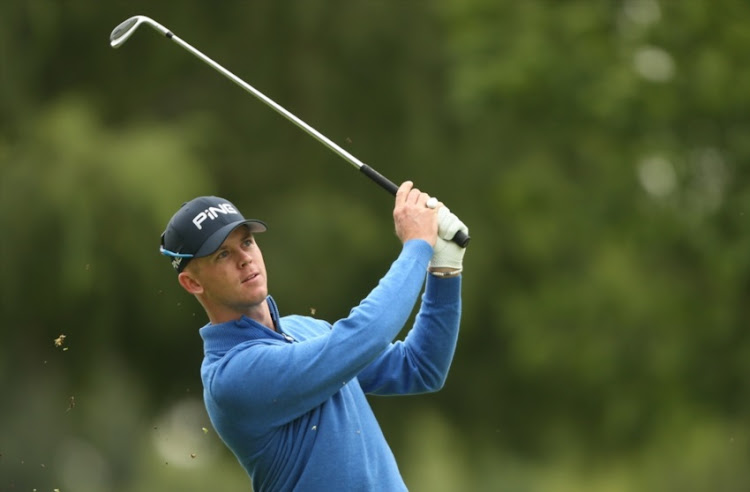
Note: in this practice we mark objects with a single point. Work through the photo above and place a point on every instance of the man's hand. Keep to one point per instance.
(447, 260)
(412, 218)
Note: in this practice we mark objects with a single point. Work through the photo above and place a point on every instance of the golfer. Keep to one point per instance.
(287, 393)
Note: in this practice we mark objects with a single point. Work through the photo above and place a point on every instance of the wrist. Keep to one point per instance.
(445, 272)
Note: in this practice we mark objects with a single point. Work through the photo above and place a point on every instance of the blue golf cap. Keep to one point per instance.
(200, 226)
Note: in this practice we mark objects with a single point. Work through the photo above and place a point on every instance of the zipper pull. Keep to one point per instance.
(288, 338)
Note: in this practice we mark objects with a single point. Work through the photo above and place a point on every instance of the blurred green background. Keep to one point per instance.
(597, 149)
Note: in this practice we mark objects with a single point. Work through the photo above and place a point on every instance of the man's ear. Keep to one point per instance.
(190, 283)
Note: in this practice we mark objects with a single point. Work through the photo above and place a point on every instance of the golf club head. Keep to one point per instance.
(124, 30)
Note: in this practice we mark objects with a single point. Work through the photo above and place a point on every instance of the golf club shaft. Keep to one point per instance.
(123, 31)
(368, 171)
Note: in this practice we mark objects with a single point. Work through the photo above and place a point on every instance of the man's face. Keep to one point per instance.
(231, 282)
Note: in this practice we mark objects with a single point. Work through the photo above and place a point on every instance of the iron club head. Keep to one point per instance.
(125, 29)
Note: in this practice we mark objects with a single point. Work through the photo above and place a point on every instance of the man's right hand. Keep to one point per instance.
(412, 218)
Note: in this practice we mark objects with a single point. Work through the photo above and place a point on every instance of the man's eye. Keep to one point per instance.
(221, 255)
(248, 242)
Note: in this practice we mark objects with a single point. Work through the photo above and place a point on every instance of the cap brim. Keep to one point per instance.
(214, 241)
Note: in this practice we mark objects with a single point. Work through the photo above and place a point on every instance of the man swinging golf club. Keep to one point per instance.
(287, 393)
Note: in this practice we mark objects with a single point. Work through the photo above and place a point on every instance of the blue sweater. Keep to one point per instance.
(291, 403)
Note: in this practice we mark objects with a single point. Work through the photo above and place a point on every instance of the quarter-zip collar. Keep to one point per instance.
(222, 337)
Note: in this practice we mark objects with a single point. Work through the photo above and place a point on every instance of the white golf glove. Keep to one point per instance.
(448, 255)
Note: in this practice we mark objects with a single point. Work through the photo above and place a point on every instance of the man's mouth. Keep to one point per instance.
(250, 277)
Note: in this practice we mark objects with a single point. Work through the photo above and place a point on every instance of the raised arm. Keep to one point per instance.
(273, 382)
(420, 363)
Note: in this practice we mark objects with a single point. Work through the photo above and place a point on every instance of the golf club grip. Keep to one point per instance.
(460, 238)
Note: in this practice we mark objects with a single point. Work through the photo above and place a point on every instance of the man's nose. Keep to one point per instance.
(245, 258)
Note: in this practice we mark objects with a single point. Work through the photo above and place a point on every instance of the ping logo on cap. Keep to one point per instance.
(212, 213)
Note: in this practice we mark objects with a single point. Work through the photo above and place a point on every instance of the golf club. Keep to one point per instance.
(122, 32)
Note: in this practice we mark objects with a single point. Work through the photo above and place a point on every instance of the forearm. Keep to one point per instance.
(421, 362)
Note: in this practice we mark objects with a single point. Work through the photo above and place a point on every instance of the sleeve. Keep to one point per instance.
(420, 362)
(272, 384)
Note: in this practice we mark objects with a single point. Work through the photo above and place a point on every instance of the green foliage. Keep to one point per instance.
(596, 150)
